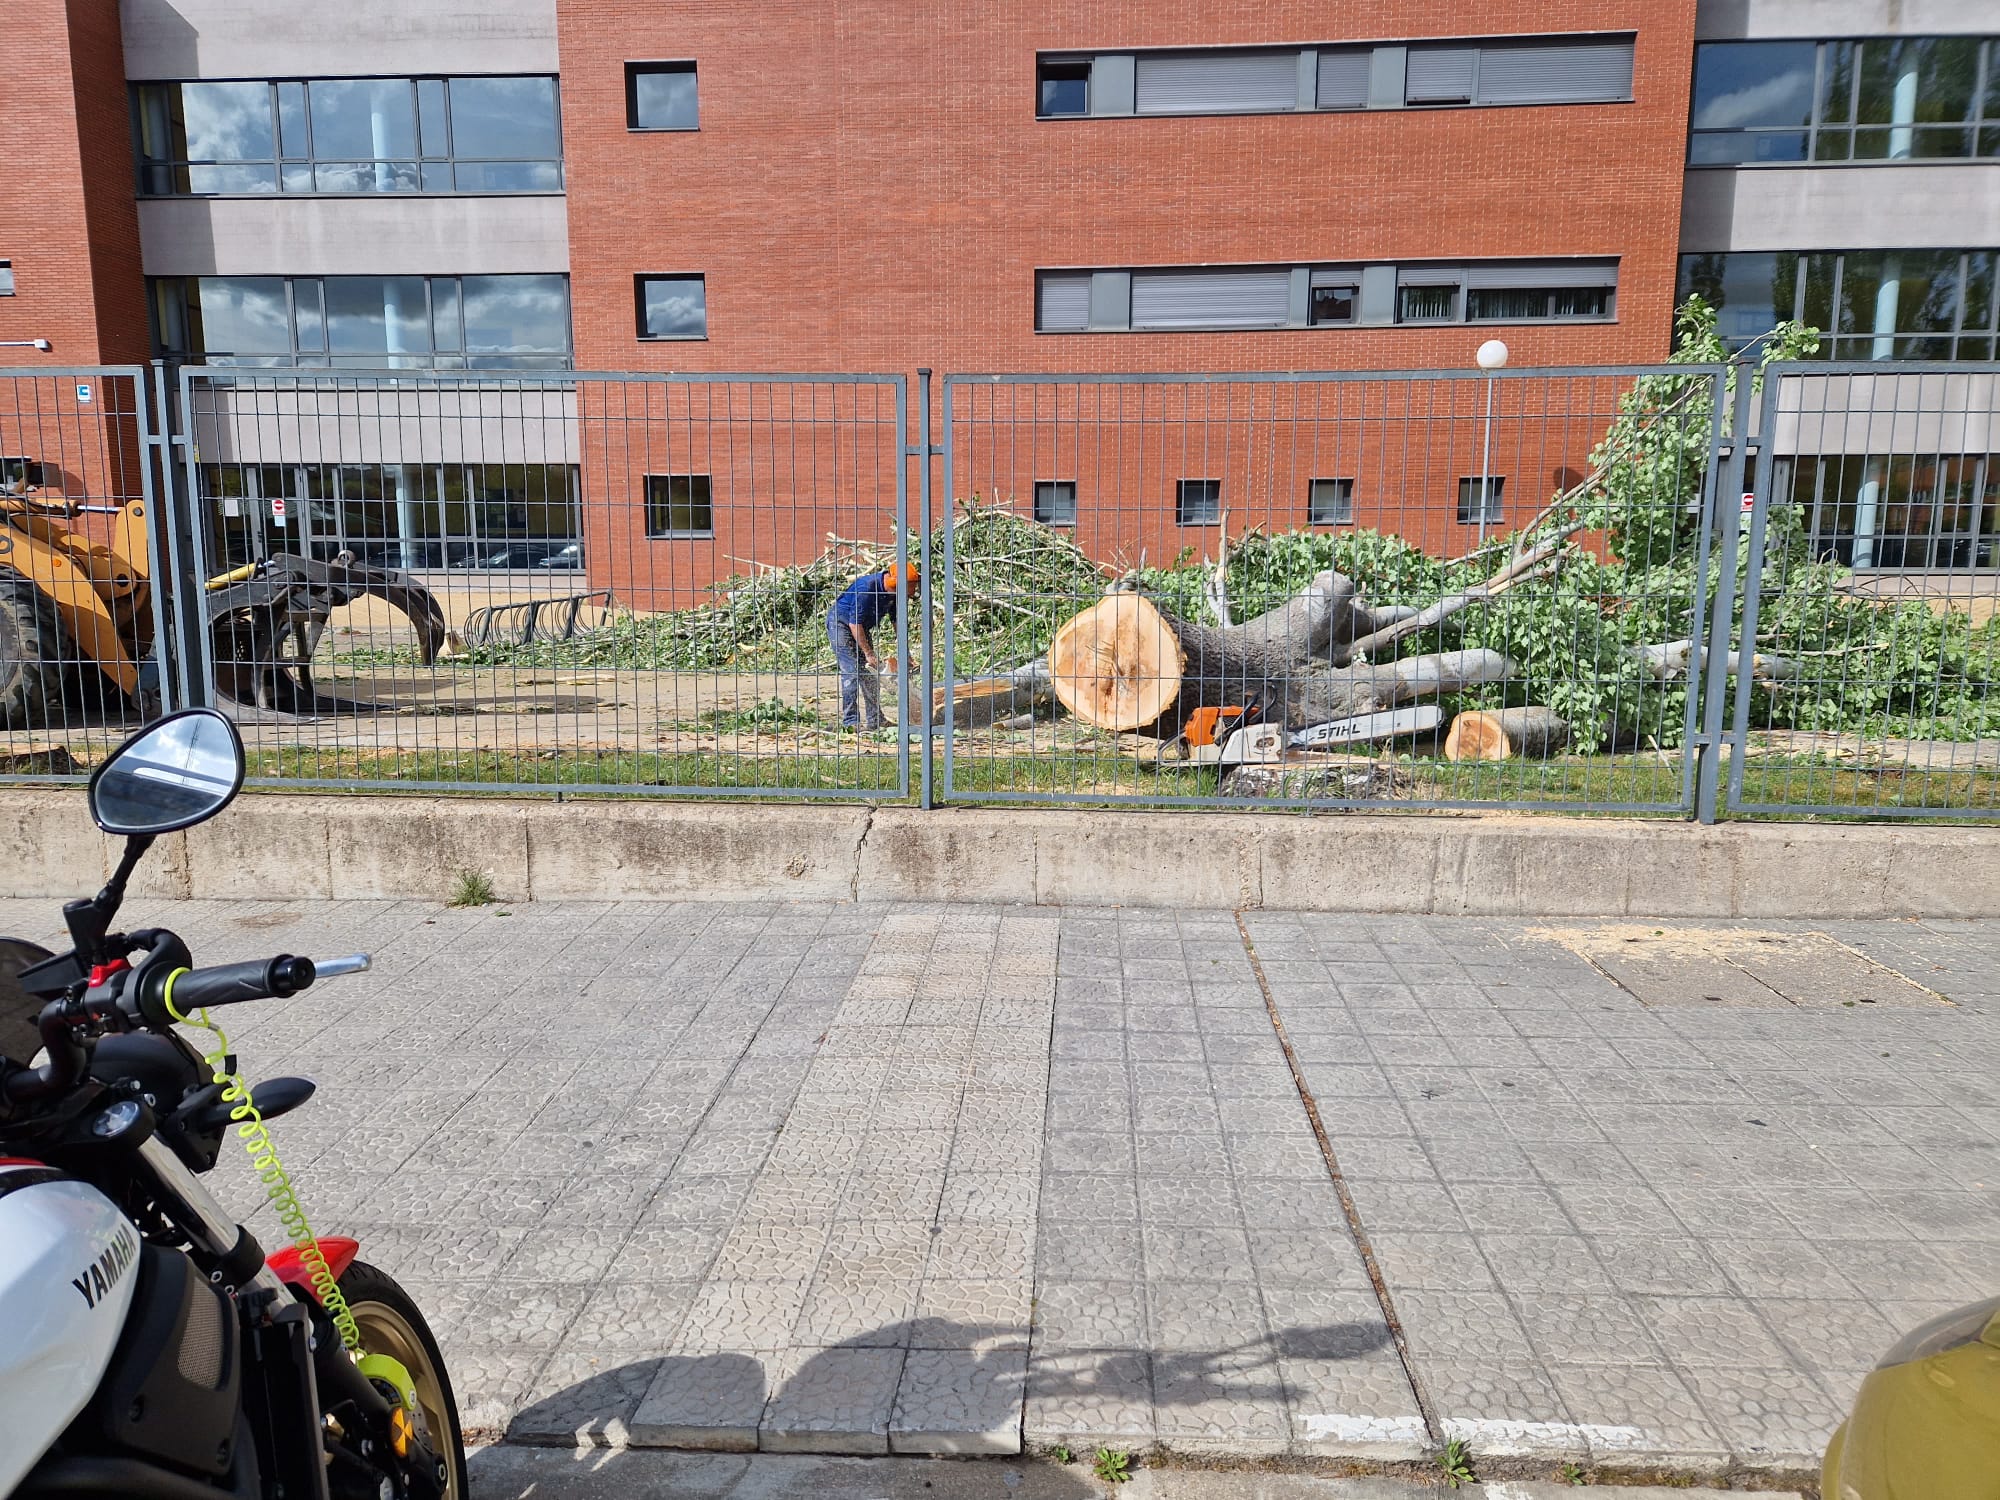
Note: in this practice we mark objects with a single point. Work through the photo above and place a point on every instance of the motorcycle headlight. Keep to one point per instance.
(1967, 1325)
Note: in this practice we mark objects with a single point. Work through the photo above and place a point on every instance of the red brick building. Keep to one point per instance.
(879, 187)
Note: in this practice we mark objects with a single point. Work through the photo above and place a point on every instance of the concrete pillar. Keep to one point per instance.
(1867, 508)
(378, 135)
(1888, 293)
(1903, 113)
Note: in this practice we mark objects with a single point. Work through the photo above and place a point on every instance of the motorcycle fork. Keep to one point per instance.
(282, 1401)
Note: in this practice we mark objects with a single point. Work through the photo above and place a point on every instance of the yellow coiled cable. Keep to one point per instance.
(256, 1138)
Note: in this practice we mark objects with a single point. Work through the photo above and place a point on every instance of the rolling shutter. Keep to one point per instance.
(1212, 299)
(1216, 82)
(1555, 72)
(1064, 302)
(1343, 79)
(1440, 75)
(1524, 274)
(1430, 275)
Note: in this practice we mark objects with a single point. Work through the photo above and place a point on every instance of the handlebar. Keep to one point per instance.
(139, 996)
(225, 984)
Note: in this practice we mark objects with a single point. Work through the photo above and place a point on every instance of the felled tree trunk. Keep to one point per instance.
(1506, 733)
(1024, 692)
(1123, 664)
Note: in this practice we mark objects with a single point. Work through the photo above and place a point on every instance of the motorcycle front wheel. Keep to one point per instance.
(391, 1324)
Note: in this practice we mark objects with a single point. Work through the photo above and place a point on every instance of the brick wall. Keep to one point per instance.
(67, 219)
(870, 190)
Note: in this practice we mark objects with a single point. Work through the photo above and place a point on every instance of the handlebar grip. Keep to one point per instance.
(226, 984)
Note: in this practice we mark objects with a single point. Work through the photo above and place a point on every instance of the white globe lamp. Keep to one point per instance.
(1492, 355)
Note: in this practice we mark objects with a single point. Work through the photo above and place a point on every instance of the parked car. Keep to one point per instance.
(1926, 1424)
(569, 557)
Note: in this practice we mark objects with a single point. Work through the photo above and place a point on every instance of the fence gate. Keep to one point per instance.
(1221, 497)
(622, 581)
(1866, 660)
(84, 638)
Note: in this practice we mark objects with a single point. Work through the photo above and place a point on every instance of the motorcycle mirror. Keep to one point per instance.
(174, 773)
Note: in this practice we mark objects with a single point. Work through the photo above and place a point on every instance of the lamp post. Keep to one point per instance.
(1492, 356)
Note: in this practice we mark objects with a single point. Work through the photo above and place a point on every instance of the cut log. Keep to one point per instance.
(1025, 691)
(1124, 665)
(1506, 733)
(1118, 665)
(1668, 660)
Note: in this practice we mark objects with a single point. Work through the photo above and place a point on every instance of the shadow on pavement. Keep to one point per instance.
(973, 1378)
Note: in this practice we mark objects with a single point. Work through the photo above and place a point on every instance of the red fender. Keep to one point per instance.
(291, 1267)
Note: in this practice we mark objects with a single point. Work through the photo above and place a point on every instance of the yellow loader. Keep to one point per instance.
(69, 604)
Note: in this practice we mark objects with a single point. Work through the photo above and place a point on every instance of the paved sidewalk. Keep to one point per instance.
(825, 1178)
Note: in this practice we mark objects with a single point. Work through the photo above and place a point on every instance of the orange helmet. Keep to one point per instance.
(910, 575)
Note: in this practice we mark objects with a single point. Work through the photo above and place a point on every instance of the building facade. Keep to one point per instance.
(543, 186)
(1844, 170)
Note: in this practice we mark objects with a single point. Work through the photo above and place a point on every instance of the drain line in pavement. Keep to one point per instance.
(1375, 1276)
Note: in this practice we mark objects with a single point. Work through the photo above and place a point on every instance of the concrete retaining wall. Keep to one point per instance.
(273, 847)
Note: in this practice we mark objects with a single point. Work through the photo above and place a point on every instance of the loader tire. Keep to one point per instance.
(33, 651)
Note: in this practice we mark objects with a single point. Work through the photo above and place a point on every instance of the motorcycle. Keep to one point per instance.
(149, 1348)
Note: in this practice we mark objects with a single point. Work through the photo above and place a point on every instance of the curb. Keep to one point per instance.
(386, 847)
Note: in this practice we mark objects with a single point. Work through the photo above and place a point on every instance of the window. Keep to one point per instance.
(1170, 299)
(1343, 78)
(1579, 70)
(1555, 69)
(1198, 502)
(673, 307)
(1062, 301)
(1876, 99)
(1215, 83)
(1062, 88)
(1539, 292)
(1333, 299)
(350, 135)
(1330, 502)
(371, 322)
(1923, 511)
(1469, 509)
(1055, 502)
(1867, 304)
(1427, 302)
(1259, 298)
(678, 505)
(6, 278)
(452, 515)
(661, 96)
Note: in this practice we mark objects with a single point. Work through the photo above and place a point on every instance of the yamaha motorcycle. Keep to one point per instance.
(149, 1348)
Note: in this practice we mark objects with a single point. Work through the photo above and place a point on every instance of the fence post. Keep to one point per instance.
(922, 450)
(174, 541)
(1714, 653)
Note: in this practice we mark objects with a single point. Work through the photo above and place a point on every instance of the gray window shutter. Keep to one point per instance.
(1343, 79)
(1441, 75)
(1212, 299)
(1523, 274)
(1555, 72)
(1196, 83)
(1336, 276)
(1433, 275)
(1064, 302)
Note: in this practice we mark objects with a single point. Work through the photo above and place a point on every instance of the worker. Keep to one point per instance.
(862, 605)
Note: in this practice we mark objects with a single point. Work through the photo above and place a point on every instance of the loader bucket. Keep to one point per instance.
(266, 621)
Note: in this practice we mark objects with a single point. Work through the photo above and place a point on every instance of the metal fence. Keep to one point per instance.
(1530, 553)
(1595, 590)
(1866, 672)
(84, 647)
(532, 581)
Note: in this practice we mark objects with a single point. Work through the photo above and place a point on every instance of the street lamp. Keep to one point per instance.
(1492, 356)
